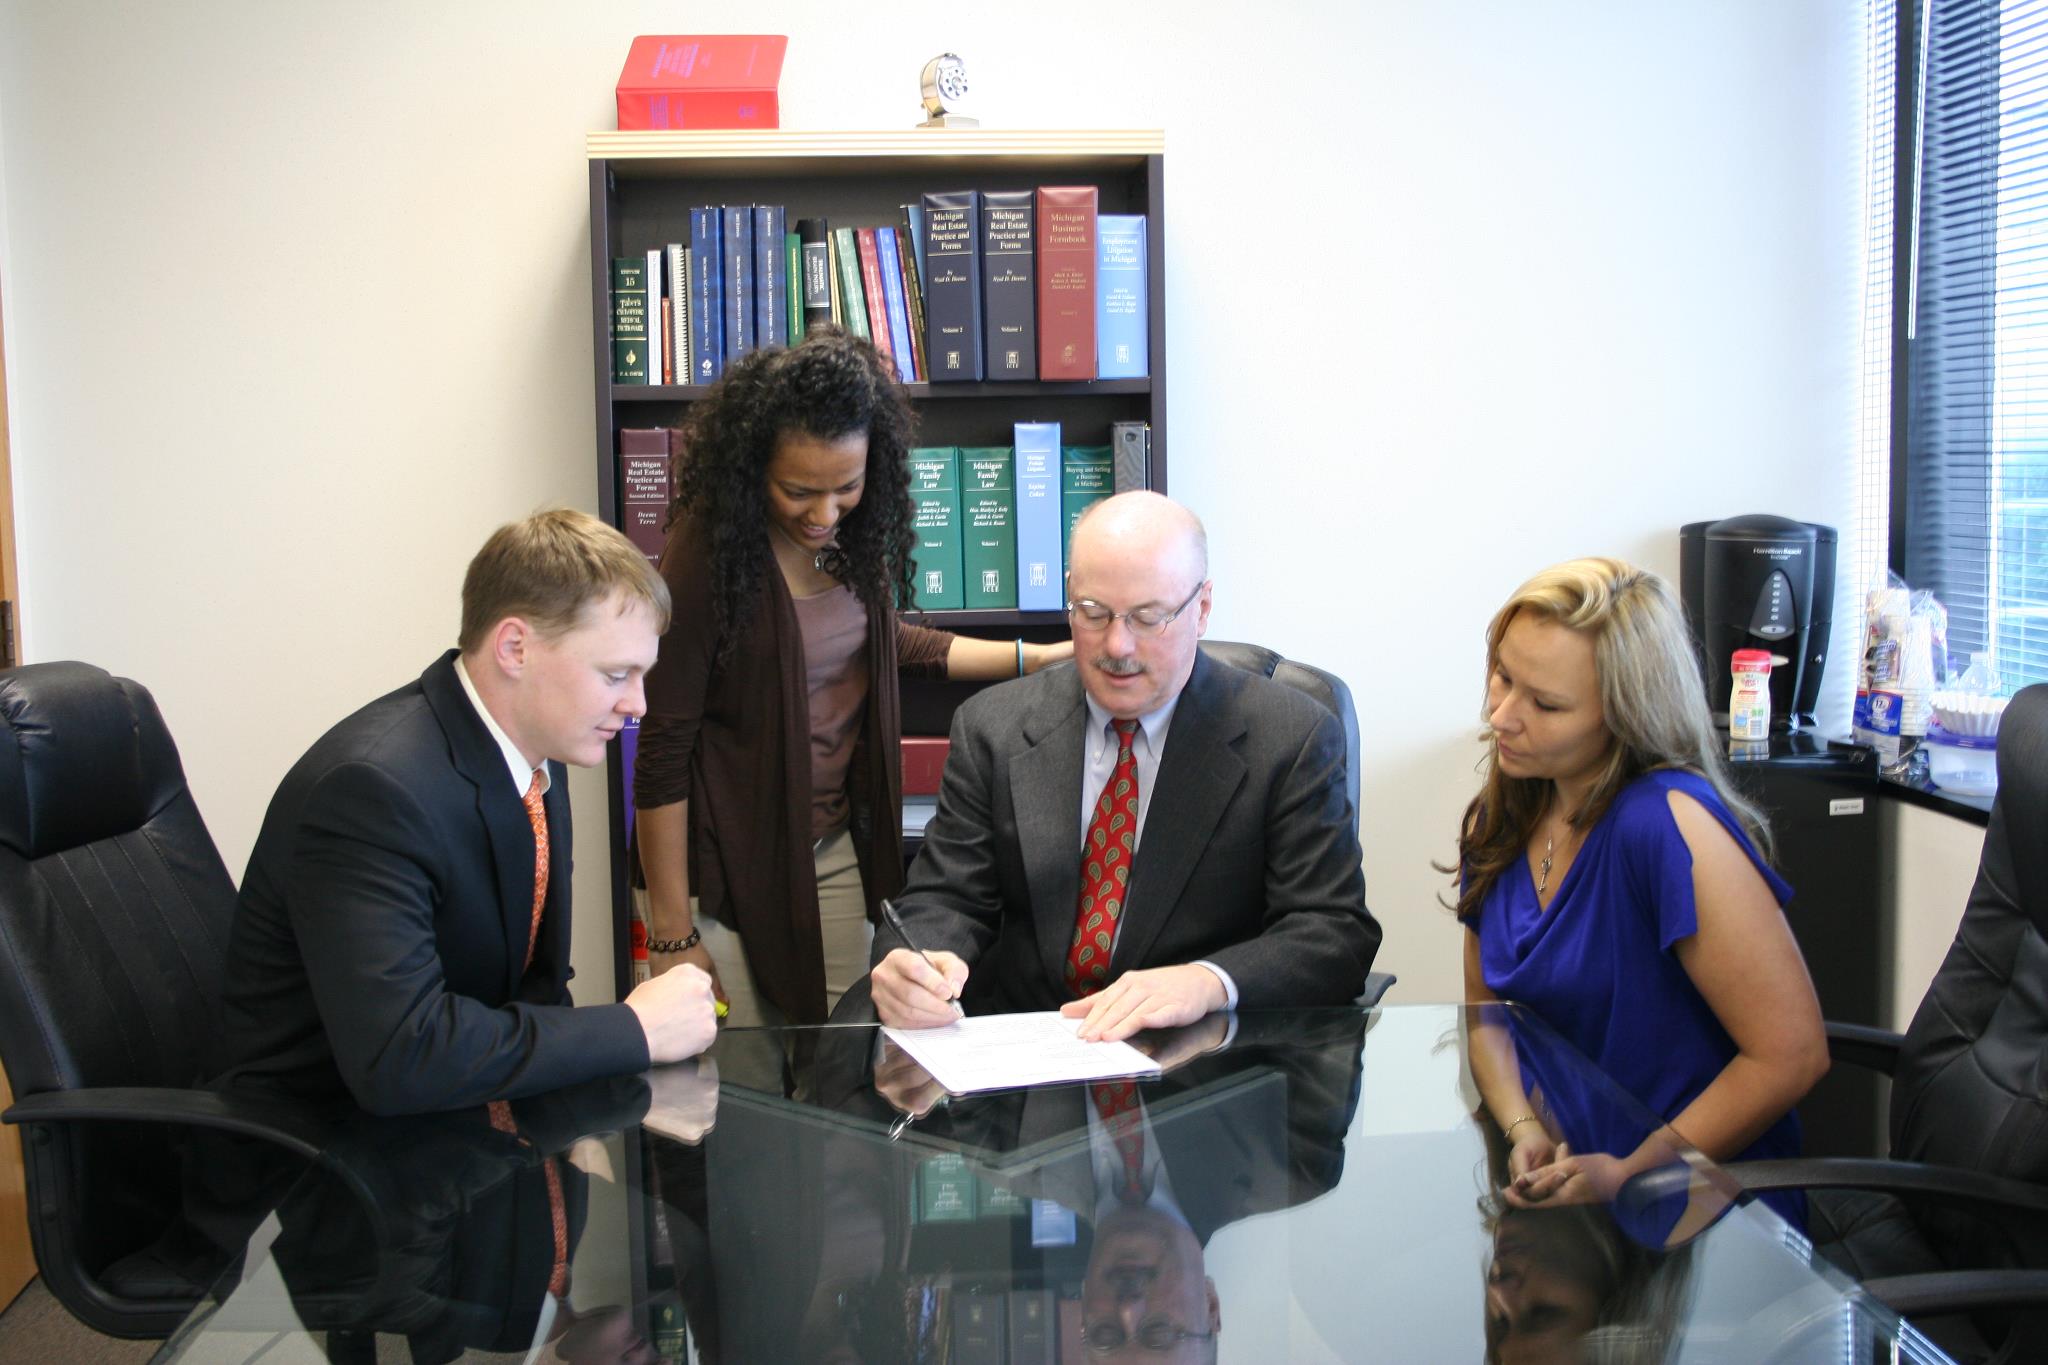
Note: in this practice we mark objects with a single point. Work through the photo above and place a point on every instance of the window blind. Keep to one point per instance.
(1976, 460)
(1868, 551)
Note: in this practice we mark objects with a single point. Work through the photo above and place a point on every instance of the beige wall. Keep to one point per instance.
(1933, 866)
(296, 311)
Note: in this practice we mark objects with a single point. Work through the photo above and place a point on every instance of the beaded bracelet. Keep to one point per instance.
(675, 945)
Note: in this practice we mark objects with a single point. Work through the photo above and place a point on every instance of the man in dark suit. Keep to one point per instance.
(1222, 864)
(402, 938)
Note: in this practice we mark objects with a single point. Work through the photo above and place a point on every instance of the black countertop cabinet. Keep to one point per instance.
(1822, 799)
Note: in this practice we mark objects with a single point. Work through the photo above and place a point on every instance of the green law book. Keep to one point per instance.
(629, 321)
(935, 496)
(1087, 476)
(853, 311)
(793, 245)
(988, 516)
(998, 1201)
(945, 1189)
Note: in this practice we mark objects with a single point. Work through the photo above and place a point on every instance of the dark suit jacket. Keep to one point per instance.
(377, 956)
(1249, 856)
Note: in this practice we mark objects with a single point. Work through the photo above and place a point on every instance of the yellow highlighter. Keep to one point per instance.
(721, 1008)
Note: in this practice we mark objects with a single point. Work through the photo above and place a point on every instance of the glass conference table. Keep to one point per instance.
(1309, 1186)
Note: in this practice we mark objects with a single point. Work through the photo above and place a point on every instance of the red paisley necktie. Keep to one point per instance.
(1124, 1121)
(1105, 869)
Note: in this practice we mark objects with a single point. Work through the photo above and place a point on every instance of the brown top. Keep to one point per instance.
(834, 624)
(733, 739)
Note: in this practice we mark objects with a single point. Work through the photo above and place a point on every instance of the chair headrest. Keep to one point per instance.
(1251, 658)
(84, 756)
(2022, 799)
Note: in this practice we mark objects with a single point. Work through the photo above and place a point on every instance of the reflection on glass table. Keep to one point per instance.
(1313, 1185)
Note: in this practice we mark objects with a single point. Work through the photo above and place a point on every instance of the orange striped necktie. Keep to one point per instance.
(500, 1111)
(537, 816)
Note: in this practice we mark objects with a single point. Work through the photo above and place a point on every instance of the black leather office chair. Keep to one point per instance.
(114, 913)
(1331, 691)
(1952, 1231)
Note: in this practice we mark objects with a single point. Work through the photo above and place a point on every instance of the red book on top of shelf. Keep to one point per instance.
(702, 80)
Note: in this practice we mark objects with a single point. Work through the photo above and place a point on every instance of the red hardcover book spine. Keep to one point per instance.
(1066, 281)
(871, 281)
(924, 762)
(644, 487)
(668, 340)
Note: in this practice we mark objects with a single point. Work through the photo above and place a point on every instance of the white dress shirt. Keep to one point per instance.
(521, 771)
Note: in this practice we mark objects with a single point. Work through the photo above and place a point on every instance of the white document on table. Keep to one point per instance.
(999, 1051)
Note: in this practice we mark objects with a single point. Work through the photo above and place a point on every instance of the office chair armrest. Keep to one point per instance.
(1861, 1045)
(1376, 984)
(279, 1123)
(1960, 1291)
(1945, 1183)
(1948, 1184)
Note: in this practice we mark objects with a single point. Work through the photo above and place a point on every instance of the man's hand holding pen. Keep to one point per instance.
(913, 988)
(918, 990)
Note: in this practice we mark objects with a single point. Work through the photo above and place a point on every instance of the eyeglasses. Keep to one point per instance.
(1148, 621)
(1107, 1338)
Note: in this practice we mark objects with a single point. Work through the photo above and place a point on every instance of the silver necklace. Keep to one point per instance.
(1543, 873)
(817, 560)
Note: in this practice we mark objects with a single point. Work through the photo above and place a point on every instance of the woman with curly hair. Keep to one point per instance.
(1612, 882)
(767, 787)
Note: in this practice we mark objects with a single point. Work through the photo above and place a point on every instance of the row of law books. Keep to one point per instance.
(993, 523)
(1007, 1323)
(965, 285)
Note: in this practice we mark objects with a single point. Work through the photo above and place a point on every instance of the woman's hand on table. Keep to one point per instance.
(1533, 1149)
(1573, 1178)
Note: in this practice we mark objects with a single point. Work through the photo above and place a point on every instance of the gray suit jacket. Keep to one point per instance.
(1249, 857)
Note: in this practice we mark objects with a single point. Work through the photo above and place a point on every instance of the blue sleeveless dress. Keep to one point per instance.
(1598, 967)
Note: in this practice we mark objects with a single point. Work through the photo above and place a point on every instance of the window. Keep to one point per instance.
(1973, 468)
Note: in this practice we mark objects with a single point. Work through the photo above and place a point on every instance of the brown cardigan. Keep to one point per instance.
(734, 740)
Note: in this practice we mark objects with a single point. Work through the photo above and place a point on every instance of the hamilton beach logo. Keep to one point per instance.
(1778, 551)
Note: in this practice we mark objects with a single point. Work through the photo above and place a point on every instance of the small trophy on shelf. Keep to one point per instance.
(944, 88)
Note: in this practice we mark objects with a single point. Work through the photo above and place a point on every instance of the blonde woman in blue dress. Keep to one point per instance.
(1613, 882)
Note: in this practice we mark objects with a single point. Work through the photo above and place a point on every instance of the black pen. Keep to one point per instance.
(895, 921)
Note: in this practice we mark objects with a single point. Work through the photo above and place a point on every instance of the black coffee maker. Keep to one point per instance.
(1760, 582)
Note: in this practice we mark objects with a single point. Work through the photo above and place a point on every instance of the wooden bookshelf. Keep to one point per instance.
(642, 186)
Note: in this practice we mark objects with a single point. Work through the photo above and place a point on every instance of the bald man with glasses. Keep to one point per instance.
(1141, 839)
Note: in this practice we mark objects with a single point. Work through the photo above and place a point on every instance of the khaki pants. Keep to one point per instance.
(843, 918)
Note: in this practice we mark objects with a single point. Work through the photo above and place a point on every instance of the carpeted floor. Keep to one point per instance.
(36, 1327)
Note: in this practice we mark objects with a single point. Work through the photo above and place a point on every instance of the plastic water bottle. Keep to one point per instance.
(1979, 679)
